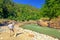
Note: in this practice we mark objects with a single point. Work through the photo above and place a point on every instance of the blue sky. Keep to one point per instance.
(34, 3)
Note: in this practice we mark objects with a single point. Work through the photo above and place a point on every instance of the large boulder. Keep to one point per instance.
(42, 23)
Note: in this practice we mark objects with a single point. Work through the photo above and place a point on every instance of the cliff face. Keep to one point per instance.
(55, 23)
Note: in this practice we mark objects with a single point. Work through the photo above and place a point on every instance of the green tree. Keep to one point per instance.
(11, 10)
(51, 9)
(5, 6)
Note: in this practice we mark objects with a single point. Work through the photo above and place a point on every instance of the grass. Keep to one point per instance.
(45, 30)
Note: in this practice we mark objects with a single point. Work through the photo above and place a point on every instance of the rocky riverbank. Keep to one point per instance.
(23, 34)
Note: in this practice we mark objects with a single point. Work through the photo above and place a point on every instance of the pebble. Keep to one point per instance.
(1, 38)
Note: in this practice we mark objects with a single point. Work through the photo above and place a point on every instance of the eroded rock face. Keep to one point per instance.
(55, 24)
(42, 23)
(52, 23)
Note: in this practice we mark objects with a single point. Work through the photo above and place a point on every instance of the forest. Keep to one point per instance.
(21, 12)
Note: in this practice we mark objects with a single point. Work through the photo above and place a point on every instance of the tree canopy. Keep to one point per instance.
(15, 11)
(51, 9)
(11, 10)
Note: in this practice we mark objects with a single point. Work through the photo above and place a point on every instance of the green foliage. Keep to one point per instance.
(4, 8)
(26, 12)
(51, 9)
(20, 12)
(11, 10)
